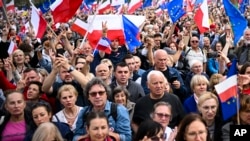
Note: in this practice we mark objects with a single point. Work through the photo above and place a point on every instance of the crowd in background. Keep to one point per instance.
(163, 90)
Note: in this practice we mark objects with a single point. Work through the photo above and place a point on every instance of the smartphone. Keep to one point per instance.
(59, 51)
(172, 79)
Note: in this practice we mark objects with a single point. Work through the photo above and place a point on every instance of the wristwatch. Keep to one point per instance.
(71, 68)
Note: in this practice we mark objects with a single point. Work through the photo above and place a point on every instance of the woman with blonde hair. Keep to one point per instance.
(208, 105)
(47, 132)
(199, 84)
(67, 95)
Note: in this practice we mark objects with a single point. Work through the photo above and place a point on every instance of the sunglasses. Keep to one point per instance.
(156, 138)
(94, 94)
(194, 41)
(161, 115)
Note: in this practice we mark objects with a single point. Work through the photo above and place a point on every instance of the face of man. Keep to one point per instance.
(65, 75)
(131, 64)
(115, 44)
(247, 36)
(137, 63)
(197, 68)
(206, 42)
(31, 76)
(161, 59)
(194, 42)
(156, 84)
(122, 75)
(103, 72)
(97, 96)
(157, 41)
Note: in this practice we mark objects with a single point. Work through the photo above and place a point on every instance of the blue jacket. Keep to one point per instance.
(212, 66)
(190, 105)
(169, 73)
(120, 126)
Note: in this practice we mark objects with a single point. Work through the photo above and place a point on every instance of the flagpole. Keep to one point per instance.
(90, 25)
(237, 106)
(5, 13)
(45, 20)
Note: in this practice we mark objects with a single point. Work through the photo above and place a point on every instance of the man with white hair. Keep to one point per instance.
(196, 67)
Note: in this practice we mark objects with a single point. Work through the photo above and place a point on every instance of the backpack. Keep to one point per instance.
(113, 112)
(64, 129)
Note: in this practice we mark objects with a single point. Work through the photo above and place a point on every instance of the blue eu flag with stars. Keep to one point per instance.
(45, 6)
(238, 22)
(130, 32)
(175, 10)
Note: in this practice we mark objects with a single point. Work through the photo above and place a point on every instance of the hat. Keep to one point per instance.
(212, 26)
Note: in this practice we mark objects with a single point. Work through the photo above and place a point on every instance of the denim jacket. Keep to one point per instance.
(120, 126)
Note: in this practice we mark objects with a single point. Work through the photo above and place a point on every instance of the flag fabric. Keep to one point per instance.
(147, 3)
(103, 7)
(12, 47)
(201, 17)
(164, 5)
(243, 4)
(238, 22)
(1, 3)
(130, 31)
(45, 6)
(89, 2)
(63, 10)
(81, 27)
(227, 91)
(10, 6)
(104, 45)
(117, 2)
(175, 10)
(134, 5)
(115, 29)
(38, 23)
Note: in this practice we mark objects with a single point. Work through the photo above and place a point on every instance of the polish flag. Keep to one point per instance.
(115, 29)
(103, 7)
(201, 17)
(38, 23)
(104, 45)
(12, 47)
(117, 2)
(81, 27)
(134, 5)
(63, 10)
(10, 6)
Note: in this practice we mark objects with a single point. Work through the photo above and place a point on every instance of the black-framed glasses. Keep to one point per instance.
(94, 94)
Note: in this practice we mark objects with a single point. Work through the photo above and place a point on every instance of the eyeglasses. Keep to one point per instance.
(156, 138)
(94, 94)
(194, 134)
(194, 41)
(161, 115)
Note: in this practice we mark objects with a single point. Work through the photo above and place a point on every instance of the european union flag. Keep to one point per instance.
(89, 2)
(147, 3)
(175, 10)
(243, 5)
(164, 5)
(45, 6)
(238, 22)
(130, 32)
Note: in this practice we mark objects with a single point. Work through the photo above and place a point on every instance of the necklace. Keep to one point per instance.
(20, 70)
(74, 115)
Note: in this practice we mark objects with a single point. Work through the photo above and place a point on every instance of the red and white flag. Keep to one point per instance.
(10, 6)
(81, 27)
(103, 7)
(117, 2)
(201, 17)
(63, 10)
(38, 23)
(104, 45)
(12, 47)
(133, 5)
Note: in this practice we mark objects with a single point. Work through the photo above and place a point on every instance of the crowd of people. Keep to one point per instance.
(55, 89)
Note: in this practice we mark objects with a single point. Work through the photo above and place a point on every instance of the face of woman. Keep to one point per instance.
(208, 109)
(41, 115)
(15, 104)
(68, 99)
(247, 71)
(19, 58)
(98, 129)
(120, 98)
(159, 137)
(173, 47)
(200, 88)
(33, 92)
(162, 115)
(196, 131)
(245, 116)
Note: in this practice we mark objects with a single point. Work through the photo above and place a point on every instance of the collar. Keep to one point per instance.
(117, 84)
(196, 98)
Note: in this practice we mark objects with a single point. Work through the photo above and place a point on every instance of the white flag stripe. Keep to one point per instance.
(226, 84)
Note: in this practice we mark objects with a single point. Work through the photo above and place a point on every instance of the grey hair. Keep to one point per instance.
(97, 81)
(154, 72)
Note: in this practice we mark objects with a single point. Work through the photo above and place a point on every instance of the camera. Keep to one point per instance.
(212, 54)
